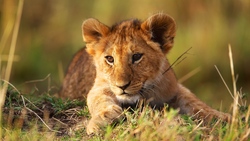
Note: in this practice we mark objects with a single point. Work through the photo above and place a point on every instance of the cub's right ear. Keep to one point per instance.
(93, 30)
(161, 28)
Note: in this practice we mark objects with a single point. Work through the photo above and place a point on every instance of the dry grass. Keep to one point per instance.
(6, 76)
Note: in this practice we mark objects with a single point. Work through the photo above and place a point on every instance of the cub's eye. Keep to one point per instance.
(109, 59)
(137, 57)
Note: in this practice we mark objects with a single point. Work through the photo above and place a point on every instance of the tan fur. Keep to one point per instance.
(111, 74)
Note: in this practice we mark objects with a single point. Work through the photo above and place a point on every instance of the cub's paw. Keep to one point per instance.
(104, 117)
(92, 127)
(111, 113)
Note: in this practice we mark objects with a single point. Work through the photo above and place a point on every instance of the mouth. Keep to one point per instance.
(124, 93)
(139, 92)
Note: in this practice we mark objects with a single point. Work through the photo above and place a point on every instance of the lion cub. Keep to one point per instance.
(125, 63)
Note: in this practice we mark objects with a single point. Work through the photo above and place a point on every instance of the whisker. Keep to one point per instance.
(177, 60)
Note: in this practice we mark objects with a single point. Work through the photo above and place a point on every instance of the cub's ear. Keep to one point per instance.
(161, 28)
(93, 30)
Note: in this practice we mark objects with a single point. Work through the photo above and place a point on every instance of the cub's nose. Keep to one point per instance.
(124, 86)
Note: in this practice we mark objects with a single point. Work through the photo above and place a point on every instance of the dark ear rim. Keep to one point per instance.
(161, 28)
(93, 30)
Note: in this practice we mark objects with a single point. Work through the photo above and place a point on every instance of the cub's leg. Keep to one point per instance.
(191, 105)
(104, 109)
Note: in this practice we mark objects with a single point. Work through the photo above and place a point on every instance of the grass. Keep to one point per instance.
(46, 117)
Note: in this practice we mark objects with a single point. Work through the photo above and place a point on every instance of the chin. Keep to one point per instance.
(128, 99)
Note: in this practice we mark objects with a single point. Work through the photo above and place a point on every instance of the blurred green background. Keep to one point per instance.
(50, 34)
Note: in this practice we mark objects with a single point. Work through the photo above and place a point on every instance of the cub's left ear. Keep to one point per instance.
(93, 30)
(161, 28)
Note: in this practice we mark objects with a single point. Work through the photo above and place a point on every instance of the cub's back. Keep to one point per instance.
(80, 76)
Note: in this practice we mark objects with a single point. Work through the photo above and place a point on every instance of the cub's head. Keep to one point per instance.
(130, 56)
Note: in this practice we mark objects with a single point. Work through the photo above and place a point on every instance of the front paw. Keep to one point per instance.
(92, 127)
(104, 117)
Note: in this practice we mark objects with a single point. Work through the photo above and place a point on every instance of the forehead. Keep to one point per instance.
(124, 35)
(126, 27)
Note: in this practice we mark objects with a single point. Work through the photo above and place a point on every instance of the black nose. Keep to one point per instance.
(124, 86)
